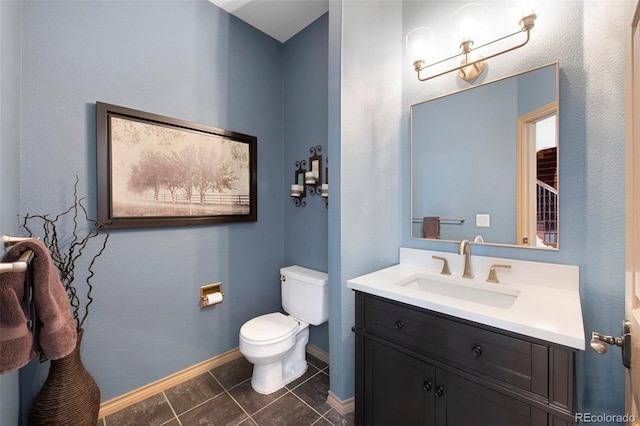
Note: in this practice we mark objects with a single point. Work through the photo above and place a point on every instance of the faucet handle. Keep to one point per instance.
(493, 276)
(445, 265)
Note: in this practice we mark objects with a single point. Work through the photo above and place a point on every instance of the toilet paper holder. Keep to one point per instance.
(206, 290)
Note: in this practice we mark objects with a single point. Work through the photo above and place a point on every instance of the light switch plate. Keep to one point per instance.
(483, 220)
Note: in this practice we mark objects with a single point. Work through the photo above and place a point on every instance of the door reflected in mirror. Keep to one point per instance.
(484, 163)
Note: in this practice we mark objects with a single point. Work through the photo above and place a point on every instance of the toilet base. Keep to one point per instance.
(268, 378)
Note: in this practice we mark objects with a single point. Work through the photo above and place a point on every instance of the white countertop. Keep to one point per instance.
(547, 307)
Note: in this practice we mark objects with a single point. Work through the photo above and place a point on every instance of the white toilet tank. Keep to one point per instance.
(305, 294)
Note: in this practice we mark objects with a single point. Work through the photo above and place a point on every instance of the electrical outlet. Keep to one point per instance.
(483, 220)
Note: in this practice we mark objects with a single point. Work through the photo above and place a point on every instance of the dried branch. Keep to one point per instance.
(65, 257)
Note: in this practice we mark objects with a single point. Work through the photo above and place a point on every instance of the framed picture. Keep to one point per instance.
(160, 171)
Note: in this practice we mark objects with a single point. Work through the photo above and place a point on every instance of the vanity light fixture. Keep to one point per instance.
(310, 181)
(472, 63)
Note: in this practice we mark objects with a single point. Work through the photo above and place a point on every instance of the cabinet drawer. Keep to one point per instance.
(509, 359)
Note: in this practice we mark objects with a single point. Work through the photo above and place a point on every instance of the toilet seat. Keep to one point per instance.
(269, 328)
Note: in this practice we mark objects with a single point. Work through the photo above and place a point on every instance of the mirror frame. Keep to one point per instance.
(516, 137)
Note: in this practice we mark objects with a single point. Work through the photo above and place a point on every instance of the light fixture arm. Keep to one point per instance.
(419, 64)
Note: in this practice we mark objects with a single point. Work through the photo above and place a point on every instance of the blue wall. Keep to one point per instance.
(10, 12)
(10, 131)
(591, 161)
(305, 117)
(188, 60)
(365, 50)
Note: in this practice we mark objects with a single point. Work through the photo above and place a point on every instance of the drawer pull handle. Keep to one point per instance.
(439, 391)
(399, 324)
(476, 351)
(427, 386)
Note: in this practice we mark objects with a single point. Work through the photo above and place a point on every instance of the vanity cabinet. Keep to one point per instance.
(419, 367)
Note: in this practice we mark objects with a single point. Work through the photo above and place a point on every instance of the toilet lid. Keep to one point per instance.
(269, 327)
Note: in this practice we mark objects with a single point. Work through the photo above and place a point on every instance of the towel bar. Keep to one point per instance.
(19, 265)
(442, 219)
(9, 240)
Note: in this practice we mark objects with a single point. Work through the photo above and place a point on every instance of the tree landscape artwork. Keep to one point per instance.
(162, 171)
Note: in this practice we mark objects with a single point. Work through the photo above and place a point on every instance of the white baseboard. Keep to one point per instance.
(342, 407)
(140, 394)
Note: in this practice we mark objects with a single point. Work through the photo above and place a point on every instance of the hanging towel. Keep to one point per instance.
(431, 226)
(56, 331)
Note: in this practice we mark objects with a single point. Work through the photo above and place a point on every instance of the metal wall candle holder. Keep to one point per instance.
(311, 180)
(324, 188)
(299, 189)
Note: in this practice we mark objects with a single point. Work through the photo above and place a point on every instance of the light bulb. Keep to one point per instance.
(418, 43)
(468, 28)
(527, 8)
(525, 13)
(466, 20)
(417, 50)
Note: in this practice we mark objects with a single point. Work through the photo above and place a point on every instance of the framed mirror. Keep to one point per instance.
(484, 163)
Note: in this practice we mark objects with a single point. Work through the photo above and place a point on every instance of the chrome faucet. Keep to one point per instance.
(465, 248)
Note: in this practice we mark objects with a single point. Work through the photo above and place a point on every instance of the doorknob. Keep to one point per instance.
(599, 343)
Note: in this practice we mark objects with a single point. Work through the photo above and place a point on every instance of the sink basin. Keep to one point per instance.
(490, 295)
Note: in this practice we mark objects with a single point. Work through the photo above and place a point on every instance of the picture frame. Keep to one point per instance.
(155, 171)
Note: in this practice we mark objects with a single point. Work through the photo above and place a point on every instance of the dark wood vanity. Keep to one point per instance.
(419, 367)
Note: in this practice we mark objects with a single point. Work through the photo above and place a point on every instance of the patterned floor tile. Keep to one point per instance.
(233, 373)
(314, 392)
(286, 411)
(251, 400)
(224, 396)
(153, 411)
(188, 394)
(219, 411)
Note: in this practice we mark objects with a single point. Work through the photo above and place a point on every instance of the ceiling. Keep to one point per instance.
(281, 19)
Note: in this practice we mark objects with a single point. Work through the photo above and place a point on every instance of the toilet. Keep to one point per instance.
(275, 343)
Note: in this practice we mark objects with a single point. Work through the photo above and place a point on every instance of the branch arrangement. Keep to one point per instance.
(65, 253)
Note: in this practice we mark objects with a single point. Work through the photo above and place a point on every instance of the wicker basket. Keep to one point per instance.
(69, 396)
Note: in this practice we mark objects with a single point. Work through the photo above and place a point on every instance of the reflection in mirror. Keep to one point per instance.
(484, 163)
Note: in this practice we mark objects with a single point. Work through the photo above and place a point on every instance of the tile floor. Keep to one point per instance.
(223, 396)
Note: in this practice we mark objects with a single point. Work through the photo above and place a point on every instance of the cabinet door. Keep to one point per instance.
(462, 402)
(398, 389)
